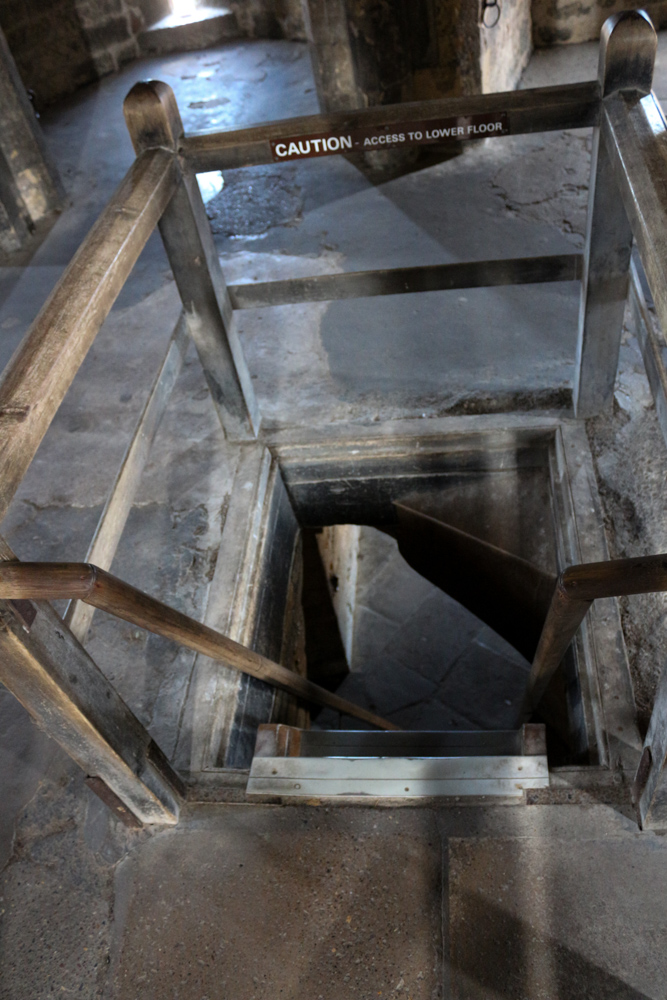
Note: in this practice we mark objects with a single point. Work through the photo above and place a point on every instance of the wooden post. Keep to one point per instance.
(541, 109)
(69, 697)
(564, 618)
(577, 587)
(627, 54)
(153, 119)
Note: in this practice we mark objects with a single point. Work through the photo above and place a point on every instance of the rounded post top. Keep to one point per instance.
(628, 44)
(152, 116)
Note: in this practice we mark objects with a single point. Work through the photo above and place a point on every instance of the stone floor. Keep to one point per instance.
(520, 903)
(257, 902)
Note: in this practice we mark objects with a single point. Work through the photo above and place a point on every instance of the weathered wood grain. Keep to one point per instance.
(40, 372)
(51, 581)
(616, 577)
(578, 586)
(627, 54)
(368, 778)
(69, 697)
(538, 110)
(635, 134)
(564, 617)
(153, 120)
(653, 347)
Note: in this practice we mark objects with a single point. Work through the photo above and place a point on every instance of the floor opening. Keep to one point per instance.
(384, 637)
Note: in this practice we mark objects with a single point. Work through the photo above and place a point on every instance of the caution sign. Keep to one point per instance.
(302, 147)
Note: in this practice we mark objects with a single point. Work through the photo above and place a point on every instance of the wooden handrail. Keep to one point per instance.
(540, 109)
(88, 583)
(635, 134)
(41, 370)
(576, 589)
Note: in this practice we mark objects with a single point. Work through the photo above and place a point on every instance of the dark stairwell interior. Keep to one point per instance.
(423, 659)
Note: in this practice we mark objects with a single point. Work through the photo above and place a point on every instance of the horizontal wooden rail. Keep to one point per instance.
(81, 581)
(42, 369)
(540, 109)
(407, 280)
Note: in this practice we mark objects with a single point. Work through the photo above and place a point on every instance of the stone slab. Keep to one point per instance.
(258, 902)
(542, 917)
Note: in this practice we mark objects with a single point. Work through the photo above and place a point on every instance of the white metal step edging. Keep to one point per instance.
(396, 777)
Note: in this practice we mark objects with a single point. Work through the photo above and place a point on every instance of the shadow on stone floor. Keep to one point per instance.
(508, 958)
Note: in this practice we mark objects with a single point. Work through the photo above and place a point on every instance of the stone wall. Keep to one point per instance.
(505, 48)
(267, 18)
(339, 549)
(414, 49)
(453, 66)
(31, 190)
(111, 28)
(558, 22)
(60, 45)
(409, 50)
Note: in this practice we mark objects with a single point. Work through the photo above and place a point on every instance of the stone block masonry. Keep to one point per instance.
(267, 18)
(367, 53)
(60, 45)
(31, 189)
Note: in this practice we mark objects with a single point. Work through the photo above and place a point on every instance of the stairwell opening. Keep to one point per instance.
(382, 635)
(320, 519)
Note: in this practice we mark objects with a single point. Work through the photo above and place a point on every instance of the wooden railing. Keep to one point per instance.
(97, 589)
(41, 657)
(576, 589)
